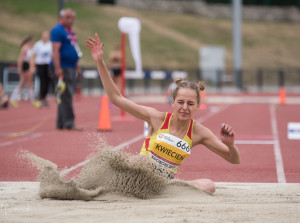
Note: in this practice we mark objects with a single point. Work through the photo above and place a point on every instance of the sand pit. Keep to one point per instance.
(20, 202)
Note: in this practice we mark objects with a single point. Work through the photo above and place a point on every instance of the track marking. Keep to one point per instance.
(27, 137)
(135, 139)
(131, 141)
(256, 142)
(277, 151)
(25, 132)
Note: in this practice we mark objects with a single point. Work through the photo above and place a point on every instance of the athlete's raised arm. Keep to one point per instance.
(115, 96)
(225, 147)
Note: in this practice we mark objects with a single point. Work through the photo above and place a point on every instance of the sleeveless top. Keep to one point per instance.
(166, 150)
(27, 56)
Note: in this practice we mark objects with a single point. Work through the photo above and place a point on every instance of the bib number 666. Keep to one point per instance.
(183, 146)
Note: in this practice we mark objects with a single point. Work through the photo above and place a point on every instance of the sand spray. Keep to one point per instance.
(107, 171)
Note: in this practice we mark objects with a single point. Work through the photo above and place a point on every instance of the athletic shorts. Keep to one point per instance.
(162, 172)
(25, 66)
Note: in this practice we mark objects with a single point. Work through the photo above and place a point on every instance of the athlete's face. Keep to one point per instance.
(185, 104)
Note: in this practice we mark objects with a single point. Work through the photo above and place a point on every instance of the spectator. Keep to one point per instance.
(65, 64)
(25, 72)
(41, 57)
(114, 63)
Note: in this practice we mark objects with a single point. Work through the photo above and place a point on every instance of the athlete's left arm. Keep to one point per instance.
(224, 148)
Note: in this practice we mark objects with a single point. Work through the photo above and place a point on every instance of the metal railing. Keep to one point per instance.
(158, 81)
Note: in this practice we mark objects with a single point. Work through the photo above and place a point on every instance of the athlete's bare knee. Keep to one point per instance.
(211, 187)
(206, 185)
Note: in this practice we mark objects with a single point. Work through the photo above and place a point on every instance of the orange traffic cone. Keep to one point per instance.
(282, 95)
(104, 123)
(202, 102)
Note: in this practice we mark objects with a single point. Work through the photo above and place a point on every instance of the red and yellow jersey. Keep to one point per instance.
(167, 150)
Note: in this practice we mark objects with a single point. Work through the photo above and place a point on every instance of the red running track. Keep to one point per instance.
(267, 155)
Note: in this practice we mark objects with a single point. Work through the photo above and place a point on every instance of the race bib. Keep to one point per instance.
(169, 151)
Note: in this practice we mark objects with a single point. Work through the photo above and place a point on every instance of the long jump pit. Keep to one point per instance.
(232, 202)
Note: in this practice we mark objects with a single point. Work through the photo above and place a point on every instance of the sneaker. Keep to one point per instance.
(37, 104)
(14, 104)
(4, 105)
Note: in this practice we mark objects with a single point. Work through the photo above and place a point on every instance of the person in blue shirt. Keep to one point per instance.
(65, 65)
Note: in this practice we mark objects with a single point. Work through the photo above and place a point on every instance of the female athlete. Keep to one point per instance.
(171, 136)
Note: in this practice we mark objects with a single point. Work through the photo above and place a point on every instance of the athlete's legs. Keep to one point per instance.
(16, 92)
(29, 80)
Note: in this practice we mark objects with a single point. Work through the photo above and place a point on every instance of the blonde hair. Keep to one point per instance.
(199, 86)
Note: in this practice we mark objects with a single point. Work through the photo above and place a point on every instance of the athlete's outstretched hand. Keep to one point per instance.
(96, 48)
(227, 135)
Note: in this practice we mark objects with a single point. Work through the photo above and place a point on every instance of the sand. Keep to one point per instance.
(121, 173)
(107, 171)
(20, 202)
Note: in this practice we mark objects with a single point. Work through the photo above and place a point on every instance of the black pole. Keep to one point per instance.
(219, 79)
(259, 78)
(281, 78)
(238, 78)
(200, 76)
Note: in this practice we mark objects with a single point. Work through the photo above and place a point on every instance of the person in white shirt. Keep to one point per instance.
(41, 58)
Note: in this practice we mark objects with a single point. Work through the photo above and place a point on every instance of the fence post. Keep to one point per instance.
(281, 78)
(146, 81)
(200, 74)
(238, 74)
(219, 79)
(259, 79)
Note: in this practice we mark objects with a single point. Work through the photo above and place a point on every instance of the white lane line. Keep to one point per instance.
(133, 140)
(127, 143)
(66, 171)
(256, 142)
(25, 138)
(277, 151)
